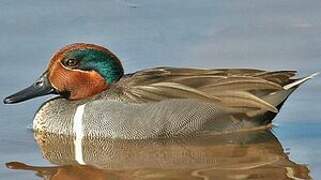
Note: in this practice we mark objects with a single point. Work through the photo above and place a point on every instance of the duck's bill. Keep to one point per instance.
(40, 88)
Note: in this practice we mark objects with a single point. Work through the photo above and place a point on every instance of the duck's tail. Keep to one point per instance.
(298, 82)
(278, 98)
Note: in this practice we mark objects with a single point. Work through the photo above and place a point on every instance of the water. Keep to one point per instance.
(260, 34)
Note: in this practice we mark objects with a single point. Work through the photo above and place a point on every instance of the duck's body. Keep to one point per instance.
(98, 100)
(170, 102)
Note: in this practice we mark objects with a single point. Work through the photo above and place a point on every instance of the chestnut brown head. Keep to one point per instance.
(77, 71)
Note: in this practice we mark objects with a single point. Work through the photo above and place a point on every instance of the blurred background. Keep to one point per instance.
(266, 34)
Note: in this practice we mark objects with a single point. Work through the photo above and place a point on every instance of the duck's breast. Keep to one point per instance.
(56, 116)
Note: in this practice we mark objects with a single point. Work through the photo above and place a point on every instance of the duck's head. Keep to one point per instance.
(77, 71)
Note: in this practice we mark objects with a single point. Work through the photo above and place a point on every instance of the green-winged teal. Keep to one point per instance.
(98, 99)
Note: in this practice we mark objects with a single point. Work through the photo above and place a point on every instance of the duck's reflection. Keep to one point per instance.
(255, 155)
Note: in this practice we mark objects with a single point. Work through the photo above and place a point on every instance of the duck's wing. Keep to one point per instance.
(240, 90)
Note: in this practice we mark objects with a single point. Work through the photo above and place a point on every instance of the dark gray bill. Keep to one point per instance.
(39, 88)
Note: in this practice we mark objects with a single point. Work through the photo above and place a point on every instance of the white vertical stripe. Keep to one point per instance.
(79, 133)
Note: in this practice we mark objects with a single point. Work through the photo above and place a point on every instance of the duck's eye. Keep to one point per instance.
(70, 62)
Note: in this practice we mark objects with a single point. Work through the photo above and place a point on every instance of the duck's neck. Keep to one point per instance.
(112, 72)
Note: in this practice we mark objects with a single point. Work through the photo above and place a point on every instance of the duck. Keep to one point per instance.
(94, 97)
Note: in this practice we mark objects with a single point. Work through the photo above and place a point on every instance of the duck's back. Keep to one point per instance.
(243, 93)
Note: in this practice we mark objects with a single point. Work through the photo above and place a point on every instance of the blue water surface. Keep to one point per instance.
(266, 34)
